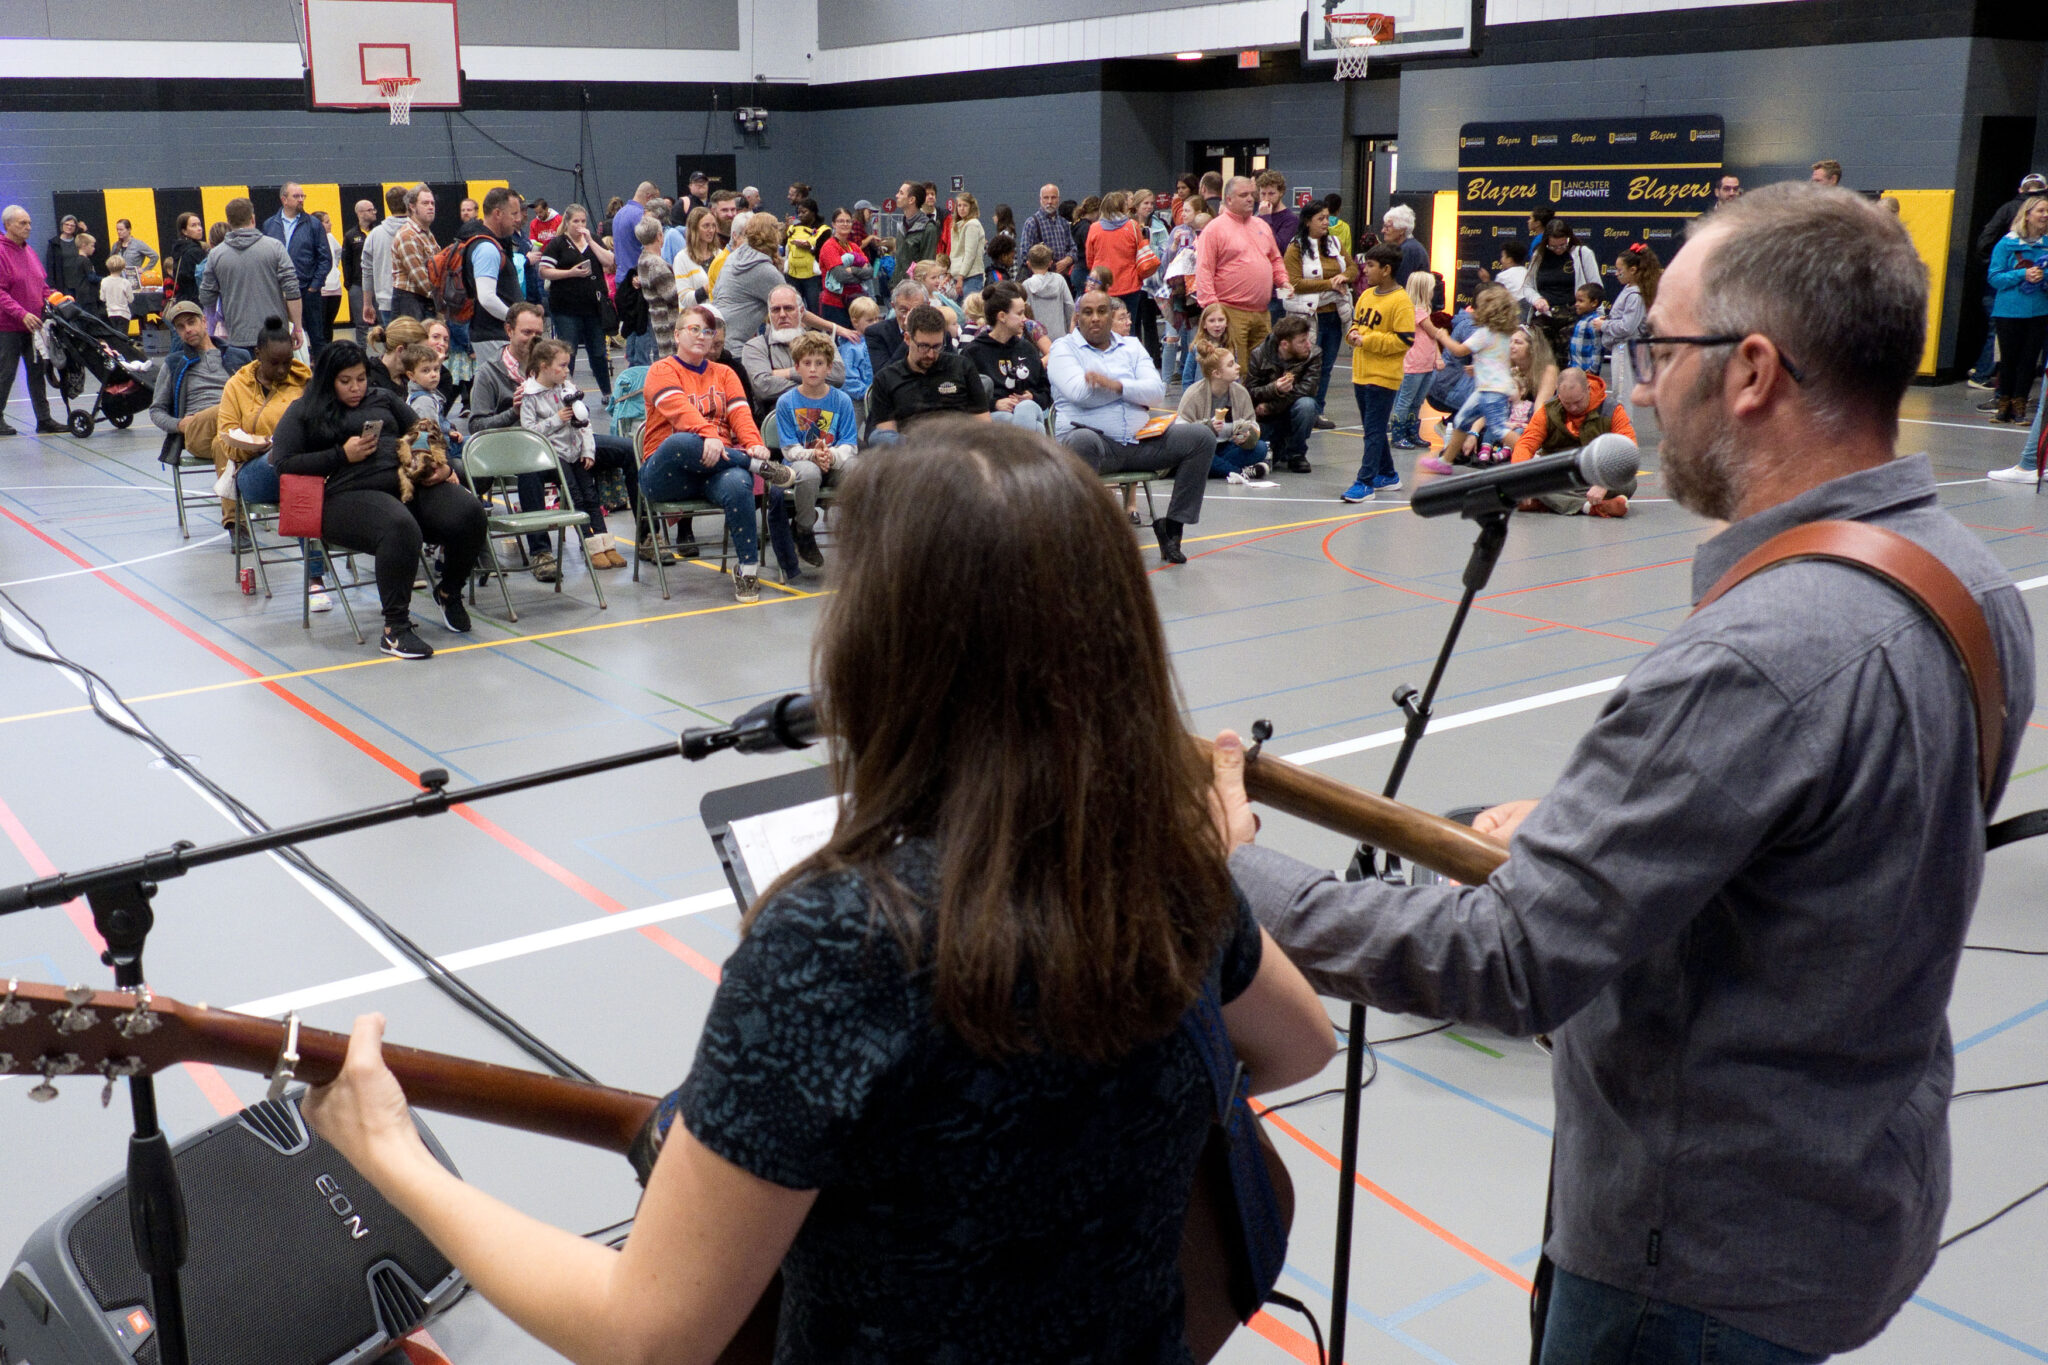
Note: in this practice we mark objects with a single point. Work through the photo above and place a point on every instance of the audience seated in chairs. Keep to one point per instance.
(188, 389)
(818, 431)
(701, 442)
(252, 404)
(323, 434)
(552, 405)
(1009, 360)
(1104, 386)
(928, 377)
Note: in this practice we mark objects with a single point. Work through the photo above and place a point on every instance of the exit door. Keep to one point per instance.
(1229, 158)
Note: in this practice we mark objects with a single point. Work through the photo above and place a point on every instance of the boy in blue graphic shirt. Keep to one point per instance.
(819, 430)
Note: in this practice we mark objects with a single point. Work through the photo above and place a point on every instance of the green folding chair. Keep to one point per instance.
(1128, 484)
(504, 454)
(185, 464)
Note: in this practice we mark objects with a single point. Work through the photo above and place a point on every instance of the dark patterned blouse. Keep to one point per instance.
(968, 1211)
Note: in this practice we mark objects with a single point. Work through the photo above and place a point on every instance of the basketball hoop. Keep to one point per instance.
(397, 92)
(1356, 34)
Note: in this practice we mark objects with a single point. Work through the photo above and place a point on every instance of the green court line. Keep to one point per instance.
(1476, 1047)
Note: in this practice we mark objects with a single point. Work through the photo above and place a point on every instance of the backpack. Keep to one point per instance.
(450, 295)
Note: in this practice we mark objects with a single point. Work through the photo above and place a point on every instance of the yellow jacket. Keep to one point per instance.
(246, 402)
(1386, 327)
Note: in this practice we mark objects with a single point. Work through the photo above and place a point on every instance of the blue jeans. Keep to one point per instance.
(583, 330)
(257, 482)
(675, 472)
(1493, 407)
(640, 348)
(1190, 371)
(1232, 458)
(1374, 405)
(1593, 1324)
(1407, 418)
(1987, 360)
(2028, 460)
(1329, 336)
(1026, 414)
(1287, 433)
(970, 285)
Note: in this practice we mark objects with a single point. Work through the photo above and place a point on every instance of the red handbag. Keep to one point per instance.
(299, 499)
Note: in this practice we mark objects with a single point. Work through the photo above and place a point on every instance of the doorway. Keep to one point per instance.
(2002, 158)
(1229, 158)
(1379, 180)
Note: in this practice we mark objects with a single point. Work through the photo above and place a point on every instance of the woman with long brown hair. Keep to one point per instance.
(946, 1084)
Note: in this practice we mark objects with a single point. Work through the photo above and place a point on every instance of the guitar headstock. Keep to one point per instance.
(56, 1031)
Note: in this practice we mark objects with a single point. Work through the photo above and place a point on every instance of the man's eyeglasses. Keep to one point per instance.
(1642, 354)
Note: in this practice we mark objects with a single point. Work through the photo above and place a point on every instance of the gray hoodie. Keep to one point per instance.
(201, 375)
(741, 294)
(1052, 303)
(252, 278)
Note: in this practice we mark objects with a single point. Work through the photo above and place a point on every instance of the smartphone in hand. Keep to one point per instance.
(374, 428)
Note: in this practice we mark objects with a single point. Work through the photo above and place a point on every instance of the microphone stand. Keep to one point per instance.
(1487, 510)
(119, 895)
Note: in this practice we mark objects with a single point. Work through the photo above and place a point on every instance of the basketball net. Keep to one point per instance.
(397, 92)
(1356, 36)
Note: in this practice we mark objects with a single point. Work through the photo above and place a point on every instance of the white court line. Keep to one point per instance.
(82, 488)
(105, 568)
(1507, 708)
(2032, 583)
(486, 954)
(1986, 429)
(341, 909)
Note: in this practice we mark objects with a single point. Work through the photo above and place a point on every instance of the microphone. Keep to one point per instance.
(1606, 460)
(790, 721)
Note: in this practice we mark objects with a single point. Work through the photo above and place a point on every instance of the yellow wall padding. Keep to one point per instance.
(213, 200)
(1443, 244)
(1928, 215)
(328, 198)
(479, 188)
(139, 208)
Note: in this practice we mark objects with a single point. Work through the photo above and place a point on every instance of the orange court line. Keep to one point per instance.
(652, 933)
(1589, 578)
(1407, 1211)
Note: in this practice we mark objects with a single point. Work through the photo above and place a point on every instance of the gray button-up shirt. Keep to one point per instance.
(1740, 913)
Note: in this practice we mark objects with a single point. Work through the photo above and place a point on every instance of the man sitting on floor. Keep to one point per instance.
(188, 386)
(1103, 388)
(1580, 411)
(1281, 378)
(928, 378)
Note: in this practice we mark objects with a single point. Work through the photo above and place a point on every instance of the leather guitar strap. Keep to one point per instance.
(1924, 580)
(1935, 589)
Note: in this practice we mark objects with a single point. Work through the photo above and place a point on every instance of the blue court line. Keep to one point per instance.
(2002, 1338)
(1358, 1313)
(1464, 1094)
(536, 734)
(1441, 1297)
(1999, 1028)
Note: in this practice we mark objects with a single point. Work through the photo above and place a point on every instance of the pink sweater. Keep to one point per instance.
(1237, 264)
(1422, 356)
(23, 285)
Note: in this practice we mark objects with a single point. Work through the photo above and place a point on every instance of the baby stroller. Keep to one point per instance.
(83, 347)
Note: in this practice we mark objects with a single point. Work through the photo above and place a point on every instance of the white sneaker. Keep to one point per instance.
(2016, 474)
(320, 599)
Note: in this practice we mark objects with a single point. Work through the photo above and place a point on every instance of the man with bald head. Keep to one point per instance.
(305, 242)
(352, 243)
(1740, 910)
(1047, 227)
(23, 284)
(1239, 265)
(1104, 387)
(1581, 410)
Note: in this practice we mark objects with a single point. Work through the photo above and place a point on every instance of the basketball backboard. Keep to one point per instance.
(352, 44)
(1421, 28)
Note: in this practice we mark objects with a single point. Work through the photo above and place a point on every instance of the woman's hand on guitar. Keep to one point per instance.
(1499, 823)
(363, 1113)
(1236, 822)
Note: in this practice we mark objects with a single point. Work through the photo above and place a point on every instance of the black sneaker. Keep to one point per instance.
(50, 426)
(454, 614)
(241, 544)
(404, 643)
(6, 430)
(807, 547)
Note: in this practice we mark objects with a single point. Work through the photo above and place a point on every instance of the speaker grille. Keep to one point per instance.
(400, 1306)
(274, 1272)
(278, 1123)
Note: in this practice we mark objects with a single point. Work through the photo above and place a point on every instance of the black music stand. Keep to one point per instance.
(755, 801)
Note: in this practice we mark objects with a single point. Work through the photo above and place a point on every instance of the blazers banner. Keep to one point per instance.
(1616, 180)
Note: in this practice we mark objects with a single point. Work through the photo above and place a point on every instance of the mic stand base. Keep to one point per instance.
(1486, 547)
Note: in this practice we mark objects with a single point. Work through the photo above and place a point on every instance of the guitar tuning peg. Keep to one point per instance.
(77, 995)
(42, 1092)
(7, 1062)
(140, 1020)
(13, 1011)
(75, 1017)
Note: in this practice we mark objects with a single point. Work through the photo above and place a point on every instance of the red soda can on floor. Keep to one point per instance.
(248, 582)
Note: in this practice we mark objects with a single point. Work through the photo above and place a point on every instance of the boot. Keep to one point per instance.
(1168, 532)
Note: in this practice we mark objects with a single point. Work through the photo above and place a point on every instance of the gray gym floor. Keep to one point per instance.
(1295, 607)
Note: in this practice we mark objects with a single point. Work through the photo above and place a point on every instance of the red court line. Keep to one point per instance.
(1285, 1337)
(1589, 578)
(1406, 1210)
(660, 938)
(1477, 606)
(211, 1083)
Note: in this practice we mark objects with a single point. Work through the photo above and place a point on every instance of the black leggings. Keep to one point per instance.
(2020, 341)
(371, 522)
(613, 452)
(1144, 321)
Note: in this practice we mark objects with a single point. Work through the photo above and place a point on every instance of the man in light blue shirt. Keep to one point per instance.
(1103, 389)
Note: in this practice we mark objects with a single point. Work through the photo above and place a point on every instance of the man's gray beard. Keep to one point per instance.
(1706, 481)
(778, 336)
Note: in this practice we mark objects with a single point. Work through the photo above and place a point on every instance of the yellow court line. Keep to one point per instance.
(381, 660)
(795, 595)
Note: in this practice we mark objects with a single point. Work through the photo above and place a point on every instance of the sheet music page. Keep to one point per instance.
(771, 844)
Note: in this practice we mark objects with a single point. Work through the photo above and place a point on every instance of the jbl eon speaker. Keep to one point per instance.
(292, 1259)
